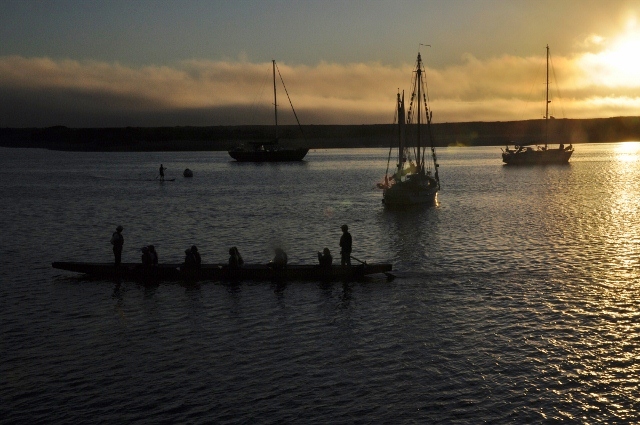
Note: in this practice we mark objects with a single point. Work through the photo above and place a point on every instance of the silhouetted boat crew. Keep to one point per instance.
(235, 259)
(345, 246)
(154, 255)
(117, 240)
(196, 256)
(189, 259)
(147, 260)
(324, 258)
(279, 260)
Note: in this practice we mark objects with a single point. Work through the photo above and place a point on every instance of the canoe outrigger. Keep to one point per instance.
(222, 272)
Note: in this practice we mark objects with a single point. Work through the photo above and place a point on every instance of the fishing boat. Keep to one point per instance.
(222, 272)
(540, 155)
(270, 151)
(415, 179)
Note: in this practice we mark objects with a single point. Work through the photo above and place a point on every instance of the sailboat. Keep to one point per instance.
(270, 151)
(415, 179)
(527, 155)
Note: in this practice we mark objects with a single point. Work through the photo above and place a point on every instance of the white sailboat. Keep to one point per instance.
(415, 179)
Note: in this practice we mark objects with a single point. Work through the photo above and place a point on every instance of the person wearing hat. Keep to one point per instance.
(345, 246)
(117, 240)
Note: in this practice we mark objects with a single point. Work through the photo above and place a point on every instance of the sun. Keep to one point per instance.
(623, 59)
(618, 64)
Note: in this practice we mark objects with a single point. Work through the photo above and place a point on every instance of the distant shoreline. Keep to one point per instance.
(222, 138)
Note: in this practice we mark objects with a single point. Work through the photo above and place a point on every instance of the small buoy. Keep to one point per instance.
(188, 173)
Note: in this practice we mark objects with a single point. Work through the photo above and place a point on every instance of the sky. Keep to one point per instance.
(90, 63)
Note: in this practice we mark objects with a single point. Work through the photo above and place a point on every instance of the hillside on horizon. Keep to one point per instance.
(220, 138)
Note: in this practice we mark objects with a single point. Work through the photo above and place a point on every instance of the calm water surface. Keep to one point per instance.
(516, 298)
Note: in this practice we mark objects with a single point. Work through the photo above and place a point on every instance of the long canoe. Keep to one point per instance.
(216, 272)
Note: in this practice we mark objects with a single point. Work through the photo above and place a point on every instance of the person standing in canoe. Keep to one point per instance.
(162, 173)
(117, 240)
(345, 246)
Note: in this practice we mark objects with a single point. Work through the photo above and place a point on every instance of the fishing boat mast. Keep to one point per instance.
(401, 132)
(429, 116)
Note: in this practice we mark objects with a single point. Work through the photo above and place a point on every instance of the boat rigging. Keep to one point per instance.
(526, 155)
(415, 179)
(271, 151)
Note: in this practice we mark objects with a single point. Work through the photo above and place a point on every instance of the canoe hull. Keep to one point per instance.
(218, 272)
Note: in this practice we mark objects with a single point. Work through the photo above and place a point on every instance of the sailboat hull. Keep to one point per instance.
(408, 193)
(537, 157)
(280, 155)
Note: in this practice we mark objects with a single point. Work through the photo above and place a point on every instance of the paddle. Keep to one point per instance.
(363, 262)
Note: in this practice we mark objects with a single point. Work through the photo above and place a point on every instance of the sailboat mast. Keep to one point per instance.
(401, 136)
(419, 84)
(275, 100)
(546, 113)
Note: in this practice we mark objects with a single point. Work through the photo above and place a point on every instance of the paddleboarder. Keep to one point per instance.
(162, 172)
(117, 240)
(345, 246)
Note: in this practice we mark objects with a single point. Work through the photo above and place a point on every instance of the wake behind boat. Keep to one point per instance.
(270, 151)
(413, 183)
(222, 272)
(527, 155)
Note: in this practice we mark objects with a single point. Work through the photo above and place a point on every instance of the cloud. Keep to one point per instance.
(43, 91)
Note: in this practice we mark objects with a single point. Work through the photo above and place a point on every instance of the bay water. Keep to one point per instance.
(516, 298)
